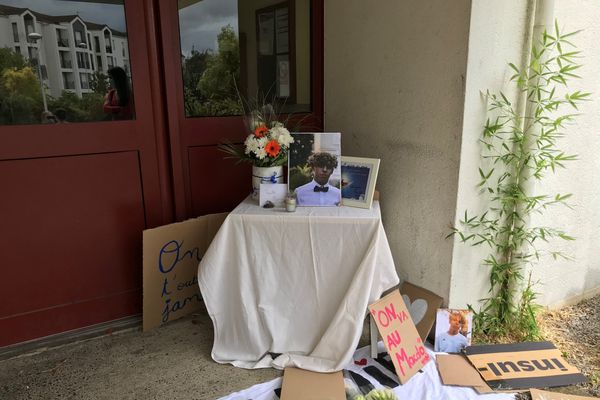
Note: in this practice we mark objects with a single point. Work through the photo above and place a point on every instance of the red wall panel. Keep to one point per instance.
(217, 185)
(72, 243)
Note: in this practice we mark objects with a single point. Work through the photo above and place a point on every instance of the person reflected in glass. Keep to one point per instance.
(319, 192)
(117, 102)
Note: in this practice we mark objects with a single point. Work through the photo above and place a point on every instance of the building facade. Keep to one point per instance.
(70, 50)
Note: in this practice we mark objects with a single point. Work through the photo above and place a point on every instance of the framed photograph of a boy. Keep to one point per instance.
(358, 181)
(314, 172)
(453, 329)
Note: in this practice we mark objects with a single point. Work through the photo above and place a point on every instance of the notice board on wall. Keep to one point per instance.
(172, 254)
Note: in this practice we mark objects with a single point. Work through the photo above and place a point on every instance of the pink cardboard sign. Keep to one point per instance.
(400, 335)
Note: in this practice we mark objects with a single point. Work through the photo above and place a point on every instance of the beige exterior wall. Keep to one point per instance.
(394, 87)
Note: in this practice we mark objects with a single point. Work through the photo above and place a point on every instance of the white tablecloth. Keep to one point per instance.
(294, 283)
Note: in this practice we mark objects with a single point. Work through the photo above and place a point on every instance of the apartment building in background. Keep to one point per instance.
(70, 49)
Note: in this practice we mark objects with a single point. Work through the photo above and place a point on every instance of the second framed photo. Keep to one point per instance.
(453, 330)
(358, 181)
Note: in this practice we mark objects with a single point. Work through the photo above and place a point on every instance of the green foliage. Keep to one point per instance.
(20, 96)
(210, 78)
(521, 148)
(99, 83)
(71, 104)
(300, 175)
(11, 59)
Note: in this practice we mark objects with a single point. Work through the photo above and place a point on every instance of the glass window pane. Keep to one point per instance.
(54, 56)
(244, 47)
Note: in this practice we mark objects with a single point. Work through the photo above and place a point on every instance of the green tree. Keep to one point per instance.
(193, 68)
(11, 59)
(20, 96)
(99, 83)
(218, 84)
(72, 105)
(16, 106)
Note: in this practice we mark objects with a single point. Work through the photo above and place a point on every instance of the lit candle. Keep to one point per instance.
(290, 204)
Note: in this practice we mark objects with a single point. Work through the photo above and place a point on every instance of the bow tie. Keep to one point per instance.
(318, 188)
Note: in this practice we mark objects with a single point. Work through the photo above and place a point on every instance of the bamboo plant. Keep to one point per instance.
(519, 146)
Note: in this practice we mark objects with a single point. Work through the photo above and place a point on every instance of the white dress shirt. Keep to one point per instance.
(306, 195)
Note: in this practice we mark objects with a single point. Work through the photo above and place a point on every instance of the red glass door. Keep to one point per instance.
(79, 184)
(87, 164)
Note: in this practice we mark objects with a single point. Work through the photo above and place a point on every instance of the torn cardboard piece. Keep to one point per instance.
(422, 305)
(172, 254)
(523, 365)
(400, 335)
(299, 384)
(544, 395)
(456, 370)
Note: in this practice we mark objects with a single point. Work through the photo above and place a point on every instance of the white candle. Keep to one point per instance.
(290, 204)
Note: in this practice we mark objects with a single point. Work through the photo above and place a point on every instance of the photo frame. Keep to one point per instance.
(453, 330)
(359, 176)
(314, 169)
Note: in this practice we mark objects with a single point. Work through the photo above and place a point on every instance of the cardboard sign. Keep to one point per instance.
(299, 384)
(456, 370)
(421, 304)
(544, 395)
(171, 257)
(399, 335)
(523, 365)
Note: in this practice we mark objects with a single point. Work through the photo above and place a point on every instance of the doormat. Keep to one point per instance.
(364, 374)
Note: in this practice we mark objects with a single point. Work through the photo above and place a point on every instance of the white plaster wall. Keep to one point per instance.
(497, 33)
(496, 37)
(567, 281)
(394, 77)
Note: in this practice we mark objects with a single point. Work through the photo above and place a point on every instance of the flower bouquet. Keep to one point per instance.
(266, 147)
(268, 143)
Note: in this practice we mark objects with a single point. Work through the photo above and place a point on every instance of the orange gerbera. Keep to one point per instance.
(260, 131)
(272, 148)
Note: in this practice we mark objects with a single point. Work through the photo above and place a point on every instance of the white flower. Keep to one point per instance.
(282, 135)
(251, 145)
(262, 142)
(261, 153)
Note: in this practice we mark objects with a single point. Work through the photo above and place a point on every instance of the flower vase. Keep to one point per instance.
(265, 175)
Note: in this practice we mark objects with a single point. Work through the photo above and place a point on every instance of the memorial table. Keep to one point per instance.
(292, 289)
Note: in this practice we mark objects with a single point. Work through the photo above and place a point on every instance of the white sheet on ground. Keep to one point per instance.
(423, 386)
